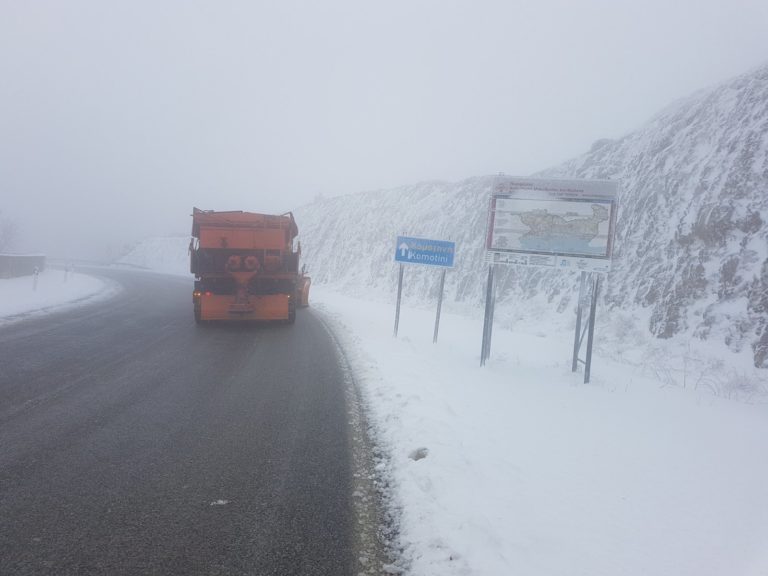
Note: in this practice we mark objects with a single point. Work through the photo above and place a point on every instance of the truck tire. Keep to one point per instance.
(291, 312)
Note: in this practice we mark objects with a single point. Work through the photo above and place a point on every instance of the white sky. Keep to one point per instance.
(117, 117)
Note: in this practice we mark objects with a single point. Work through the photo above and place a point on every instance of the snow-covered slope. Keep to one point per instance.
(692, 235)
(693, 238)
(164, 254)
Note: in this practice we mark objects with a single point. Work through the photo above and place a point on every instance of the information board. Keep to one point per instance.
(567, 224)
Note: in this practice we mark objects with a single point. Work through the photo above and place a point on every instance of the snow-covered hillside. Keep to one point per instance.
(167, 254)
(692, 236)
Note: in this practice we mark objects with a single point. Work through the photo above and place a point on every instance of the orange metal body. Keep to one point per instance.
(246, 267)
(262, 308)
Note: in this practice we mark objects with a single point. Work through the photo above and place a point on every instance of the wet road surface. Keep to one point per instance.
(134, 442)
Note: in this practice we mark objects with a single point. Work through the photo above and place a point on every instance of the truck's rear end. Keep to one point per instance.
(246, 266)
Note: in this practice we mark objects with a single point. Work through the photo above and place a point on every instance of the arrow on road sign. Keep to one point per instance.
(403, 249)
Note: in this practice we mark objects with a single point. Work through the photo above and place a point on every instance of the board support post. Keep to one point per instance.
(439, 306)
(485, 350)
(399, 299)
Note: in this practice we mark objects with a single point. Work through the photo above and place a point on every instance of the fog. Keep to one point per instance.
(117, 118)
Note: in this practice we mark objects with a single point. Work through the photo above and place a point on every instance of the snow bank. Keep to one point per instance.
(519, 468)
(56, 290)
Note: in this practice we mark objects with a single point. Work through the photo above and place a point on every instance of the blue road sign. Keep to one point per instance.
(422, 251)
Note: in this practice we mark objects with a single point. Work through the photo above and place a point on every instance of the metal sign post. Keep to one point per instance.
(399, 298)
(439, 306)
(589, 329)
(591, 333)
(490, 304)
(579, 335)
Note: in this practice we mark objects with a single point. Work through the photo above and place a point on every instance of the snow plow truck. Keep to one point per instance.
(246, 267)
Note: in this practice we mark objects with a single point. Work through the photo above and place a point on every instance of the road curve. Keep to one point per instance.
(134, 442)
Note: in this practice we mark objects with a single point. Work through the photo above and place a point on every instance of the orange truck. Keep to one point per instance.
(246, 267)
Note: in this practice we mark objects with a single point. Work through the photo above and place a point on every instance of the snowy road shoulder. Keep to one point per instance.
(519, 468)
(54, 291)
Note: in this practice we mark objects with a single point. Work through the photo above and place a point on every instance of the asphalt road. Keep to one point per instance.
(134, 442)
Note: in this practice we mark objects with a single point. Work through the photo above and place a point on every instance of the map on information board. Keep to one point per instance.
(559, 226)
(556, 223)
